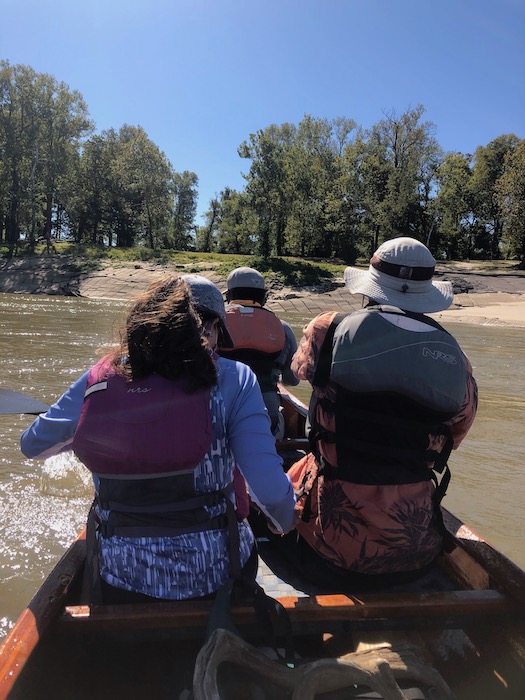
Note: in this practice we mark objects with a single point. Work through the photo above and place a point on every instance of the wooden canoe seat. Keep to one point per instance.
(292, 450)
(292, 444)
(315, 612)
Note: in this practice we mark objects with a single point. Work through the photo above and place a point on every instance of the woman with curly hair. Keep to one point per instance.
(162, 423)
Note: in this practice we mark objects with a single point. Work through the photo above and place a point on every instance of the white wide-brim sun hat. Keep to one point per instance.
(400, 274)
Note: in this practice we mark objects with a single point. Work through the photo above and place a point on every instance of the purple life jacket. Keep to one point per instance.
(145, 428)
(144, 440)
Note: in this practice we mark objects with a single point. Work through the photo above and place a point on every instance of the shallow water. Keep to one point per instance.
(47, 342)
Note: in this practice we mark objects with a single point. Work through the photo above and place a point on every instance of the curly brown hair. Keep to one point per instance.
(163, 335)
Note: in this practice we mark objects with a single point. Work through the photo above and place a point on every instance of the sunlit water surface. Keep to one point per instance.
(47, 342)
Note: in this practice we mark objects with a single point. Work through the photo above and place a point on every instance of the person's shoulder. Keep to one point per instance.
(324, 319)
(226, 365)
(235, 380)
(285, 325)
(233, 368)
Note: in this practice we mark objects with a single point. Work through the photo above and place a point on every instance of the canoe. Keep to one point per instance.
(461, 634)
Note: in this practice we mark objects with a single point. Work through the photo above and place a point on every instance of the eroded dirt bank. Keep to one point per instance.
(496, 296)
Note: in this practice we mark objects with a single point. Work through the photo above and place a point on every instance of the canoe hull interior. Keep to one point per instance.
(82, 660)
(465, 619)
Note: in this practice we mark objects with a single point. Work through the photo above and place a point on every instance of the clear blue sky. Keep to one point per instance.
(201, 75)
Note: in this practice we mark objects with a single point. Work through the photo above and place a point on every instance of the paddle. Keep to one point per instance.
(12, 402)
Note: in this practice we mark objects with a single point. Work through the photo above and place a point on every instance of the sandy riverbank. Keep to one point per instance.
(484, 294)
(500, 309)
(491, 298)
(486, 297)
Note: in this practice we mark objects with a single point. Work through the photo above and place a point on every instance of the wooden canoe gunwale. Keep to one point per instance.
(501, 572)
(41, 613)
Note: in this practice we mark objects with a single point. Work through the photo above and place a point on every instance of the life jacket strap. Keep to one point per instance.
(107, 529)
(324, 361)
(168, 519)
(91, 591)
(440, 459)
(234, 540)
(439, 493)
(207, 499)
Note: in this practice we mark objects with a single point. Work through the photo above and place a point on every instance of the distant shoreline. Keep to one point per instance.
(500, 309)
(482, 297)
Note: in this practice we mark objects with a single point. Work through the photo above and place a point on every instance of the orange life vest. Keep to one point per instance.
(258, 340)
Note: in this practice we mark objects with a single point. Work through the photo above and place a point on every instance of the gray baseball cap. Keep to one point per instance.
(245, 277)
(207, 297)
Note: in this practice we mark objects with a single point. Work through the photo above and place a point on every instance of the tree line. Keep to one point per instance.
(320, 189)
(60, 181)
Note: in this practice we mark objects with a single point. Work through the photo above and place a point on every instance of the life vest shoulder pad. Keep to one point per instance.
(153, 426)
(371, 354)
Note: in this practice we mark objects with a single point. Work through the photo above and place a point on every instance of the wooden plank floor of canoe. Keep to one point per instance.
(278, 578)
(276, 574)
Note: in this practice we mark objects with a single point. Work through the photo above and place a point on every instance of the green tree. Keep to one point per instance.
(368, 169)
(266, 183)
(453, 207)
(310, 170)
(89, 199)
(185, 190)
(42, 123)
(143, 179)
(238, 224)
(340, 209)
(406, 157)
(205, 237)
(296, 187)
(64, 123)
(510, 193)
(124, 191)
(18, 139)
(489, 166)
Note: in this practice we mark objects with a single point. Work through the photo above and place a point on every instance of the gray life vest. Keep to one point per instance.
(370, 354)
(394, 387)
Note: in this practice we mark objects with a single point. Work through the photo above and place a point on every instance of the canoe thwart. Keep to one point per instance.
(413, 607)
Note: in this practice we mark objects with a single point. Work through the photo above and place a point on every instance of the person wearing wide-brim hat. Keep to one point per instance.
(392, 394)
(400, 274)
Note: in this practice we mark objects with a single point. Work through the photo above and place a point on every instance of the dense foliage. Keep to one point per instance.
(59, 181)
(319, 189)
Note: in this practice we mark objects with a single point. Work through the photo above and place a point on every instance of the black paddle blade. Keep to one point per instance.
(11, 402)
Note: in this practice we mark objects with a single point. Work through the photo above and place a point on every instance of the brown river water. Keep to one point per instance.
(47, 342)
